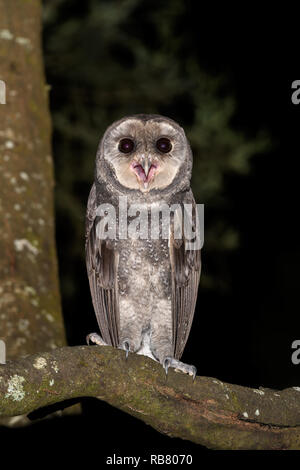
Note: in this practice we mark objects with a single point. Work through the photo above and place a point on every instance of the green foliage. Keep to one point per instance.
(108, 59)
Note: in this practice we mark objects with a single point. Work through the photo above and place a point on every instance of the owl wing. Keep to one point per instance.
(186, 269)
(102, 265)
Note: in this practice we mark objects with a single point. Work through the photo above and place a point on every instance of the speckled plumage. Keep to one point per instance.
(143, 290)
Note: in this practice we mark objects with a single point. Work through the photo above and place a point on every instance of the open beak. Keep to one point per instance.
(144, 169)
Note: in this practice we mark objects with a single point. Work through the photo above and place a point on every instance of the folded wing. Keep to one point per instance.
(102, 266)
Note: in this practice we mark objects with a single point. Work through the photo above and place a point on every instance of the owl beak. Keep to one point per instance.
(145, 164)
(144, 170)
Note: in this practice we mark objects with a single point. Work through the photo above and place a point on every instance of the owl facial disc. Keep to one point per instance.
(145, 153)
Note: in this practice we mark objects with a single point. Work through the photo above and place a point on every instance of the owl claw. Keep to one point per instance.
(166, 365)
(179, 366)
(126, 346)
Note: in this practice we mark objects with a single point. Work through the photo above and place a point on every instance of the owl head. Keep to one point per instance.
(145, 153)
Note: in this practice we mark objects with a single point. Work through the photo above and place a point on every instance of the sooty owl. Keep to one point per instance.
(144, 288)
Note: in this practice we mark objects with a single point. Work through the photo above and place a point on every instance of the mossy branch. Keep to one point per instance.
(206, 411)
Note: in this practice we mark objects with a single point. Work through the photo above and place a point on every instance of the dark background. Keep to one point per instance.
(226, 78)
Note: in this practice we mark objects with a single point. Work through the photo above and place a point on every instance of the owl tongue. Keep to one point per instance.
(140, 172)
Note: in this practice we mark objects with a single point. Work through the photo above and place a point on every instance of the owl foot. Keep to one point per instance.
(178, 365)
(95, 338)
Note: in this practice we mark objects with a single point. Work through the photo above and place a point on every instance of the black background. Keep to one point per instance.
(244, 337)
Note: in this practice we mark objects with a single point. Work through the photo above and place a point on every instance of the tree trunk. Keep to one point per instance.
(30, 308)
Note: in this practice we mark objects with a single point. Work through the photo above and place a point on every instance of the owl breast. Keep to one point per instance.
(144, 285)
(144, 272)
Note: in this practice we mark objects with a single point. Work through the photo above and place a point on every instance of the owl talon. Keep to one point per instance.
(194, 369)
(126, 346)
(166, 365)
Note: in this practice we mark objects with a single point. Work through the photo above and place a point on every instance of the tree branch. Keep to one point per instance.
(206, 411)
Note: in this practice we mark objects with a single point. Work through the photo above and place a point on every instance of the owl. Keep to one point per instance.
(143, 288)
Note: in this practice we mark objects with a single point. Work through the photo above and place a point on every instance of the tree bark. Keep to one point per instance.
(207, 411)
(30, 308)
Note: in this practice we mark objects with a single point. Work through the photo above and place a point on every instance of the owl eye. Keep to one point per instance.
(164, 145)
(126, 145)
